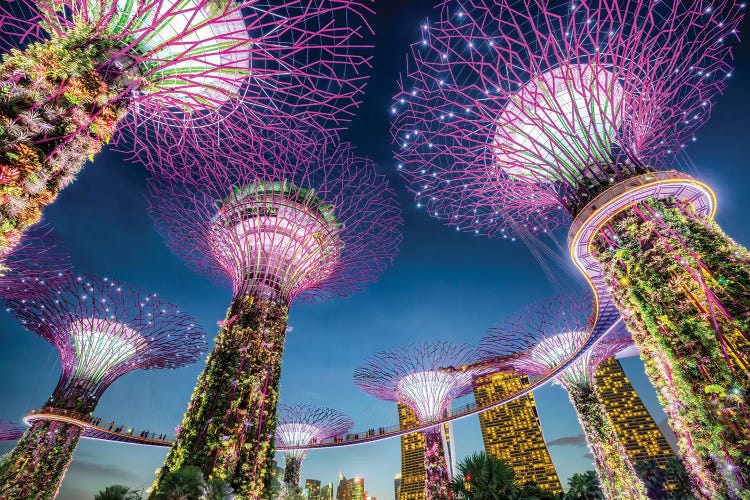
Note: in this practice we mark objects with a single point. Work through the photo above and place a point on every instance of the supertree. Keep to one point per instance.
(302, 424)
(518, 115)
(165, 75)
(102, 330)
(10, 431)
(544, 336)
(418, 376)
(306, 221)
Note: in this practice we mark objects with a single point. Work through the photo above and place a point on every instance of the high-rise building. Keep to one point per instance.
(513, 433)
(412, 457)
(397, 485)
(358, 488)
(326, 492)
(350, 489)
(312, 489)
(636, 428)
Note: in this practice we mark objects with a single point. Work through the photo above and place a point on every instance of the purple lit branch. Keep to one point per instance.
(415, 375)
(103, 330)
(308, 219)
(33, 263)
(301, 424)
(514, 112)
(10, 431)
(544, 336)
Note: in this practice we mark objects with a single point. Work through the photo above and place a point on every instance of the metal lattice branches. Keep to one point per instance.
(542, 337)
(302, 424)
(515, 112)
(308, 219)
(10, 431)
(103, 330)
(33, 262)
(415, 375)
(182, 66)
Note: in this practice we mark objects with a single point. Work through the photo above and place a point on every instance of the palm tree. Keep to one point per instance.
(584, 487)
(532, 491)
(188, 483)
(117, 492)
(483, 477)
(677, 475)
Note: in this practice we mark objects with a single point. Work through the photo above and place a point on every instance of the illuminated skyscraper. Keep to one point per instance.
(312, 487)
(350, 489)
(357, 488)
(513, 433)
(638, 432)
(411, 486)
(326, 492)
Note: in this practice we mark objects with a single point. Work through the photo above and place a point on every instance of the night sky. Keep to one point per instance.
(443, 285)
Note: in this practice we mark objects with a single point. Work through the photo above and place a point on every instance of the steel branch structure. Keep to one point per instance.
(10, 431)
(415, 375)
(549, 334)
(306, 221)
(161, 76)
(33, 264)
(102, 330)
(517, 116)
(300, 425)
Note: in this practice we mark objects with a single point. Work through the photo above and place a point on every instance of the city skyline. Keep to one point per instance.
(444, 285)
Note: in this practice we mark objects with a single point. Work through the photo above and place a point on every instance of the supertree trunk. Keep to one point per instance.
(616, 472)
(685, 288)
(56, 112)
(437, 478)
(292, 470)
(35, 468)
(230, 422)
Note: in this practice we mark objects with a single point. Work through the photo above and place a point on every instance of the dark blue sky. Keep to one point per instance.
(443, 285)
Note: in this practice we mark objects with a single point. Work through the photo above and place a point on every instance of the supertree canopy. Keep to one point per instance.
(102, 330)
(165, 75)
(300, 425)
(306, 222)
(518, 115)
(418, 376)
(548, 335)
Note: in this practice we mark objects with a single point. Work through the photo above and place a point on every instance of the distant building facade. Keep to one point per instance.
(312, 489)
(326, 492)
(513, 432)
(636, 428)
(350, 489)
(397, 485)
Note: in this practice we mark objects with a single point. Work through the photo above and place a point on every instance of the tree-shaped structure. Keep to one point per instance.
(166, 74)
(518, 115)
(302, 424)
(102, 330)
(417, 375)
(307, 221)
(546, 336)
